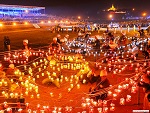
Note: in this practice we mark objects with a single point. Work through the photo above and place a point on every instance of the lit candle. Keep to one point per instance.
(3, 92)
(112, 107)
(37, 63)
(39, 69)
(51, 94)
(22, 83)
(71, 80)
(26, 93)
(128, 99)
(84, 81)
(104, 102)
(122, 101)
(109, 69)
(87, 100)
(0, 83)
(41, 60)
(126, 79)
(88, 104)
(53, 68)
(109, 93)
(66, 78)
(69, 89)
(94, 103)
(32, 96)
(11, 95)
(58, 69)
(105, 109)
(27, 105)
(20, 78)
(118, 90)
(34, 64)
(5, 83)
(133, 89)
(114, 95)
(78, 86)
(19, 110)
(119, 87)
(100, 110)
(59, 109)
(36, 90)
(38, 95)
(38, 106)
(25, 67)
(61, 80)
(43, 74)
(83, 105)
(71, 85)
(6, 95)
(16, 95)
(119, 71)
(37, 76)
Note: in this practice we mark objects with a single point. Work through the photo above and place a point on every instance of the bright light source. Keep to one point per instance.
(26, 11)
(1, 24)
(79, 17)
(144, 14)
(55, 21)
(110, 16)
(49, 21)
(95, 25)
(42, 22)
(26, 23)
(14, 24)
(66, 21)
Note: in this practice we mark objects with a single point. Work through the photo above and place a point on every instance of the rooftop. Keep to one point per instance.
(20, 7)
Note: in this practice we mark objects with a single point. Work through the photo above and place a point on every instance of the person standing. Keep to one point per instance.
(55, 46)
(146, 88)
(148, 30)
(25, 44)
(6, 43)
(97, 44)
(58, 38)
(142, 34)
(26, 48)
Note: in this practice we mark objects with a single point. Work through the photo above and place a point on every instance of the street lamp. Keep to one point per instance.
(1, 24)
(49, 21)
(26, 11)
(26, 23)
(42, 22)
(144, 14)
(79, 17)
(133, 9)
(14, 24)
(110, 16)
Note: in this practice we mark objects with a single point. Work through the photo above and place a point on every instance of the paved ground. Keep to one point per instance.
(60, 97)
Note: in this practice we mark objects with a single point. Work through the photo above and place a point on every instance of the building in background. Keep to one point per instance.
(18, 11)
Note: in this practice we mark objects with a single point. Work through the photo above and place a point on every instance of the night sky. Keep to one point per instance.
(81, 7)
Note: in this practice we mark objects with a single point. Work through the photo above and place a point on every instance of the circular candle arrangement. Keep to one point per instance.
(34, 80)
